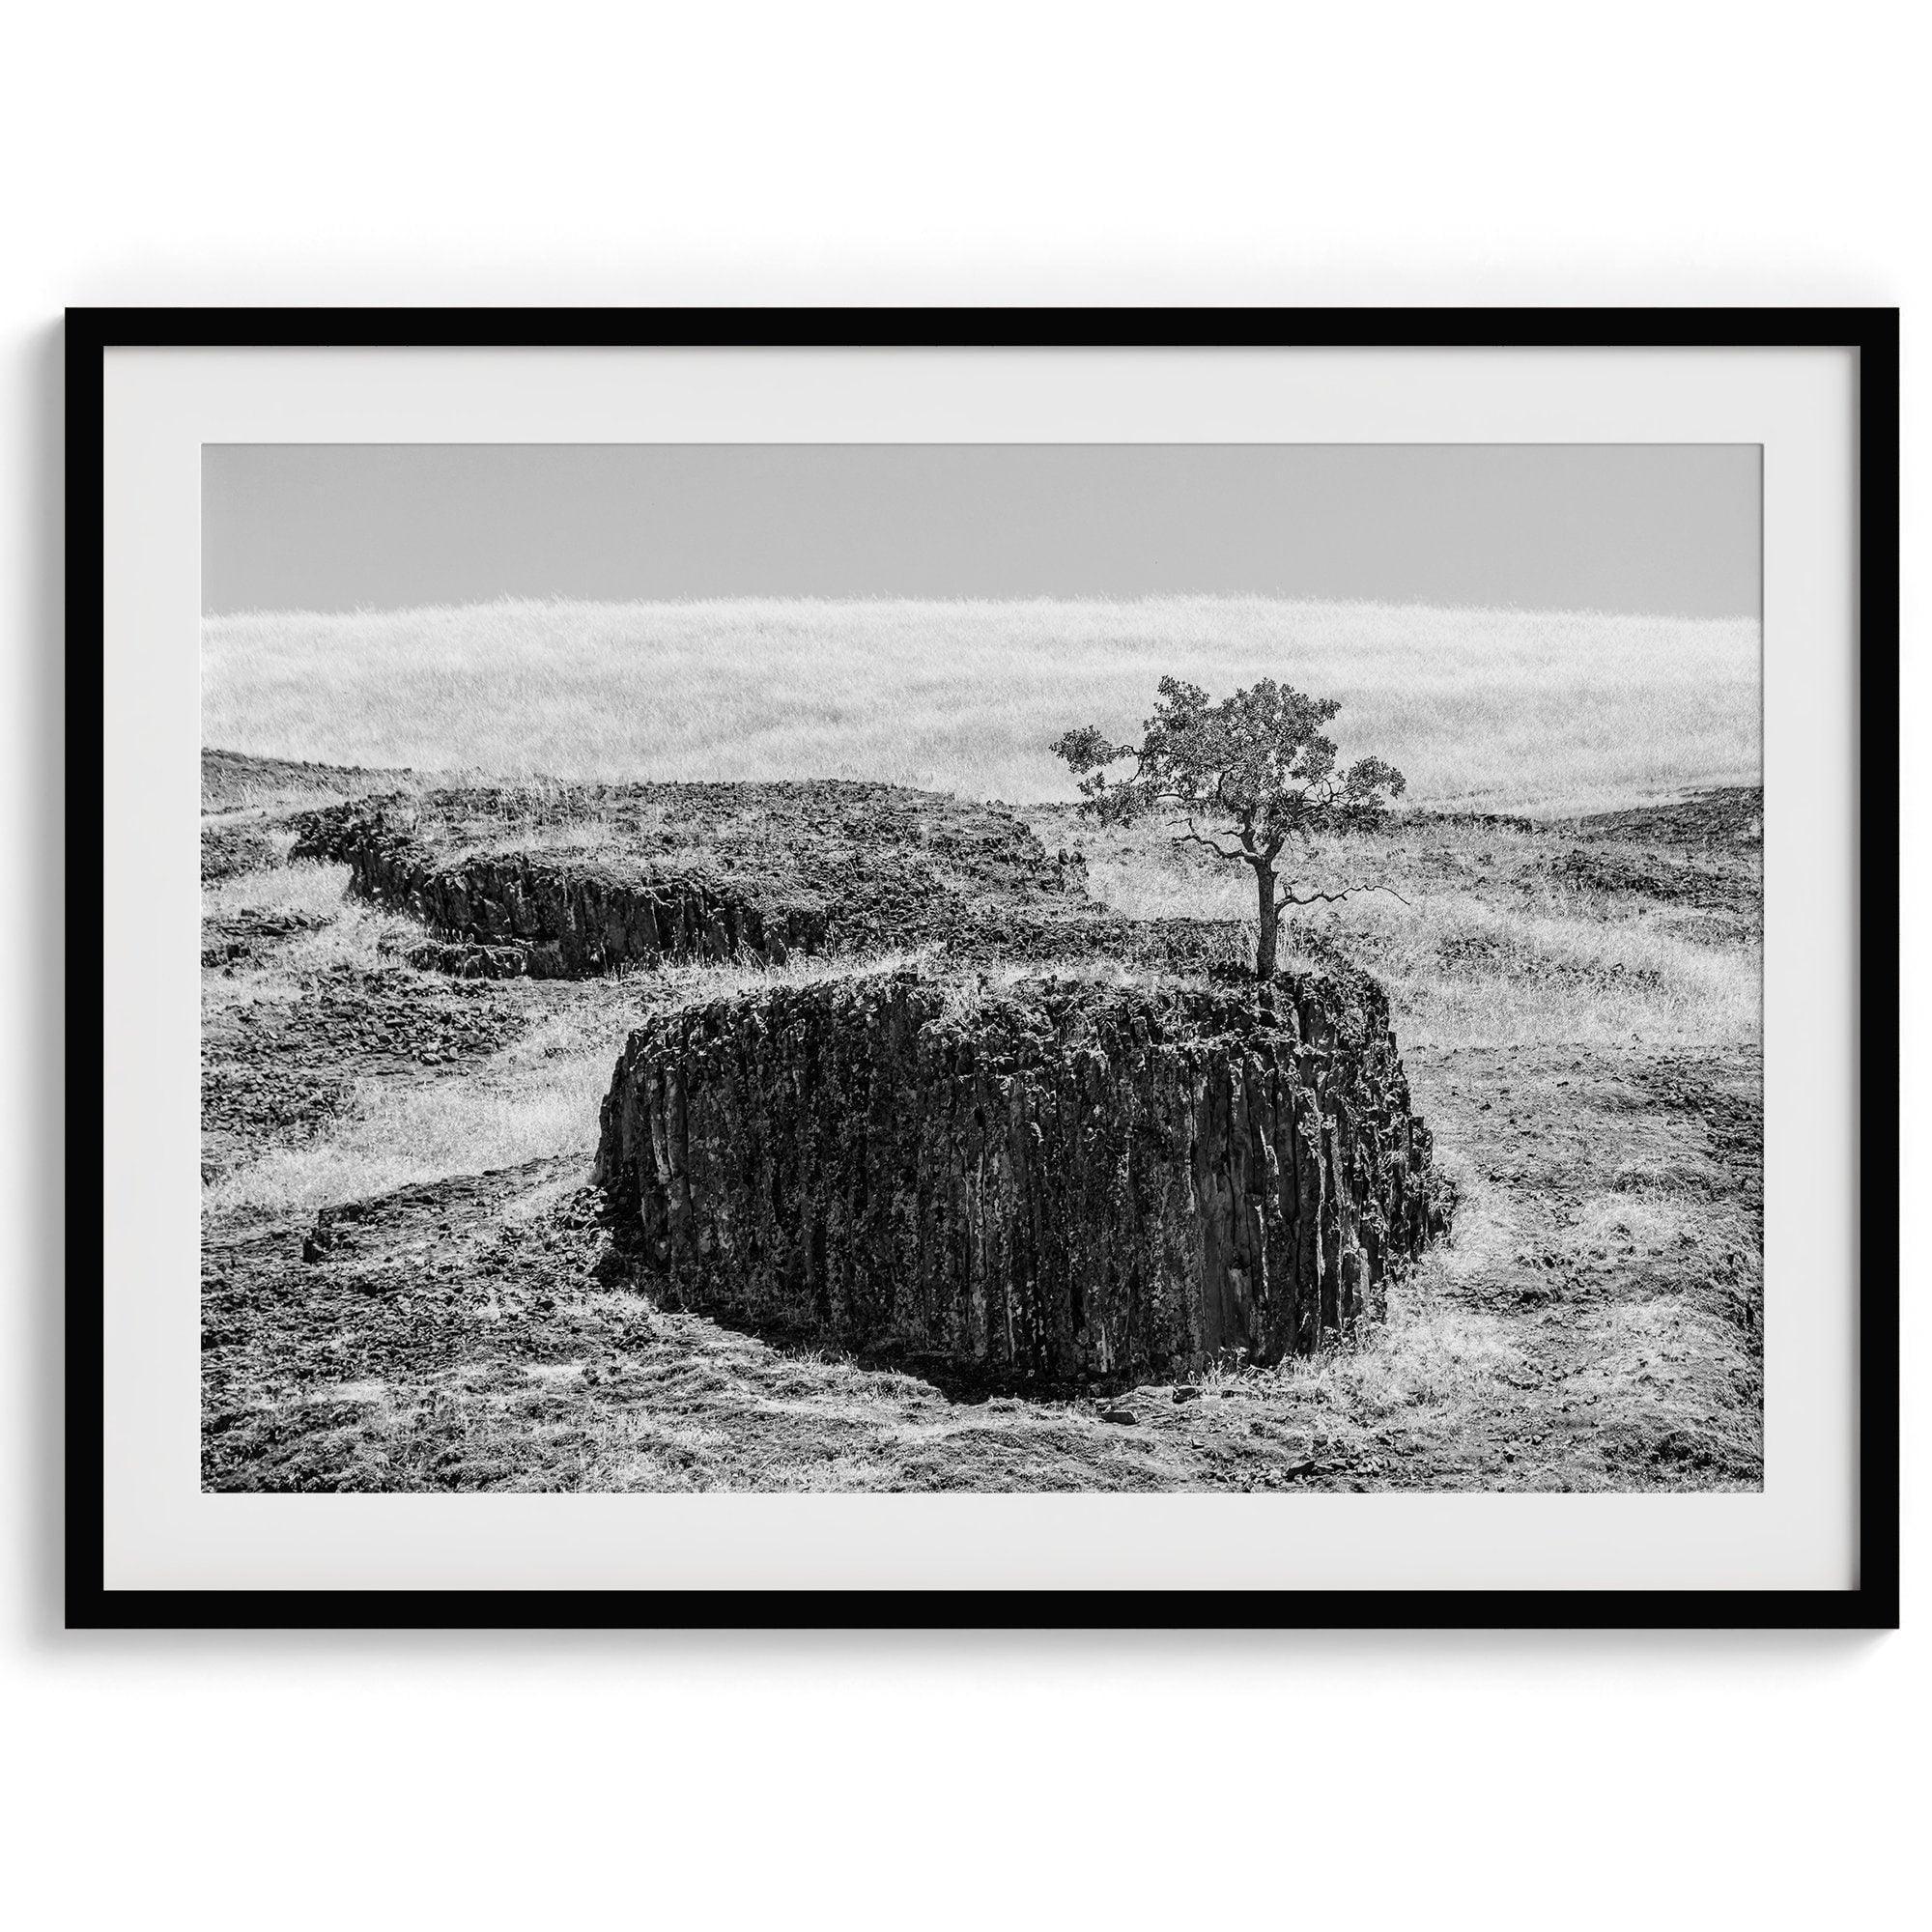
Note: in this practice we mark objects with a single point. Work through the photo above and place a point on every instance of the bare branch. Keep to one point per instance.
(1198, 839)
(1349, 892)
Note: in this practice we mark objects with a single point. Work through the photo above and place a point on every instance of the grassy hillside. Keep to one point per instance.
(1528, 710)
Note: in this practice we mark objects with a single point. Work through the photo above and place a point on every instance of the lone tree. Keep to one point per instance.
(1255, 767)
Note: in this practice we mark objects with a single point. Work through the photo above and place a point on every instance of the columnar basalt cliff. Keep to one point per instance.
(679, 872)
(1050, 1184)
(554, 916)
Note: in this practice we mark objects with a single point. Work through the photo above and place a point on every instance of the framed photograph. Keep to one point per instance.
(1026, 968)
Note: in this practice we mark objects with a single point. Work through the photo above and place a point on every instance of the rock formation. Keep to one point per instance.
(1046, 1183)
(811, 867)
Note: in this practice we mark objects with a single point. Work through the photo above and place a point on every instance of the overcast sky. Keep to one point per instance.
(1668, 529)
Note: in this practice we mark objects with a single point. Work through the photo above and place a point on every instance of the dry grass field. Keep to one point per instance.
(405, 1288)
(1513, 710)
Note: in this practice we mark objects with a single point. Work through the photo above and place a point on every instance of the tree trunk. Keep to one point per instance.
(1270, 929)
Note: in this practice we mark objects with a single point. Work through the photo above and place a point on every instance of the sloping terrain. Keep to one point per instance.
(234, 781)
(1496, 709)
(1720, 816)
(409, 1285)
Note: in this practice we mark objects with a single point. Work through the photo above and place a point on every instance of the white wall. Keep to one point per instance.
(374, 154)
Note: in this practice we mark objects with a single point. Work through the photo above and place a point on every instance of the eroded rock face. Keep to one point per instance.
(1053, 1183)
(716, 872)
(551, 915)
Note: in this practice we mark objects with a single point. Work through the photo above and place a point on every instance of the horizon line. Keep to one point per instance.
(564, 600)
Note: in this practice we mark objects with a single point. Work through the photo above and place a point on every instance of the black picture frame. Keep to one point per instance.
(1872, 332)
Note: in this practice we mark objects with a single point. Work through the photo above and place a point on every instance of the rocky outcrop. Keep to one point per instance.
(228, 939)
(1052, 1183)
(228, 849)
(784, 869)
(1723, 816)
(272, 1070)
(548, 916)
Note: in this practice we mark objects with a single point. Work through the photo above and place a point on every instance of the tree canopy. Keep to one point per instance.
(1256, 769)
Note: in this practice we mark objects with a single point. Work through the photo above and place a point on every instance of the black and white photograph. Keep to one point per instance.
(929, 920)
(1201, 968)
